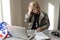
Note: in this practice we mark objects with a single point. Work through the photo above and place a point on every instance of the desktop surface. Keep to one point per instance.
(48, 33)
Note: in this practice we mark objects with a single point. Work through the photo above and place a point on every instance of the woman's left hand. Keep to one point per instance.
(40, 29)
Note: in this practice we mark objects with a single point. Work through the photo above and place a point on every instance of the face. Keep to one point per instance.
(35, 10)
(34, 7)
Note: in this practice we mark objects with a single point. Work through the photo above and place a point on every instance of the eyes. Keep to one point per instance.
(35, 9)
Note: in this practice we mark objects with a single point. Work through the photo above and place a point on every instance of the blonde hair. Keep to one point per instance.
(35, 4)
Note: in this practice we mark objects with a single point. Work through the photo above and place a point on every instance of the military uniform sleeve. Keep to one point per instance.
(45, 22)
(28, 18)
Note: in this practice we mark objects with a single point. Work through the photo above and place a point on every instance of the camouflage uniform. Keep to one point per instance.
(43, 20)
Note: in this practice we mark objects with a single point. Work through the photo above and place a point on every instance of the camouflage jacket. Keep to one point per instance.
(43, 20)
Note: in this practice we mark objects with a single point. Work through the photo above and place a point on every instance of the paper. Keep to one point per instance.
(40, 36)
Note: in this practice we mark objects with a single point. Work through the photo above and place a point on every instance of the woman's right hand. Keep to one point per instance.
(29, 10)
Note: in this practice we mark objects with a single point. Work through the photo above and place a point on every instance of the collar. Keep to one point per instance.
(41, 15)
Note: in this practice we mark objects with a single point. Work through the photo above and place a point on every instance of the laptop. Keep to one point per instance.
(21, 32)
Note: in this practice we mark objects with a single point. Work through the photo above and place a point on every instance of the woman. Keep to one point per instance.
(37, 19)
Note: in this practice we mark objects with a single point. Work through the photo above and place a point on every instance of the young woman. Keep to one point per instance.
(37, 19)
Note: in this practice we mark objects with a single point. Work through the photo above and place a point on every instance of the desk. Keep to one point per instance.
(48, 33)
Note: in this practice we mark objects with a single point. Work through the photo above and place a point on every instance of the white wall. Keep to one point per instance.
(16, 14)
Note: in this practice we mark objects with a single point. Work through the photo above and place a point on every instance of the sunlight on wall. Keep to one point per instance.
(0, 12)
(51, 15)
(6, 11)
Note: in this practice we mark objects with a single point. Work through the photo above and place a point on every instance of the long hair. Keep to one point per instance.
(35, 4)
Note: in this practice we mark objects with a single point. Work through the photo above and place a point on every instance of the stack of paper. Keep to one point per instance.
(41, 36)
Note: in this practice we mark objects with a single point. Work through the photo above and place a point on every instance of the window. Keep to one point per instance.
(0, 12)
(5, 11)
(51, 15)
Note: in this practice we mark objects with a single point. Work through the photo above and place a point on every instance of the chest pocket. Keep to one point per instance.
(43, 21)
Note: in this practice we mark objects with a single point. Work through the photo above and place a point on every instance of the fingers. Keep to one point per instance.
(30, 9)
(40, 29)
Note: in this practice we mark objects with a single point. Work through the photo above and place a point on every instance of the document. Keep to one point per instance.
(41, 36)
